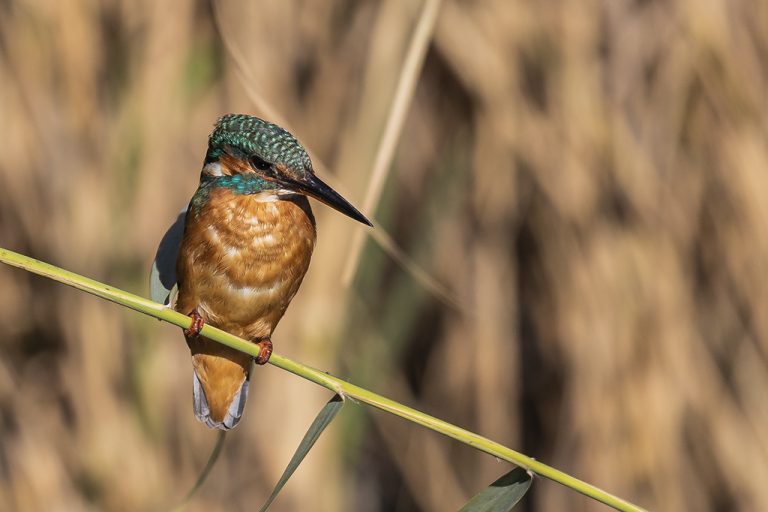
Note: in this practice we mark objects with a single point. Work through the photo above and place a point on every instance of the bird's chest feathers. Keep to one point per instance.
(256, 234)
(249, 250)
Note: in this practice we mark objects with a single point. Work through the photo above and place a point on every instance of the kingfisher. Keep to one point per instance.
(248, 237)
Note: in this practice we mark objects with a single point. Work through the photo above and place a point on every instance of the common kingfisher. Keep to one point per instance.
(248, 238)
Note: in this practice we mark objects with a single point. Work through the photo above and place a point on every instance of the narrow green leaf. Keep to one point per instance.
(323, 419)
(502, 495)
(205, 472)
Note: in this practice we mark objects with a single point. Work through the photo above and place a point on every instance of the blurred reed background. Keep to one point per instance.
(586, 181)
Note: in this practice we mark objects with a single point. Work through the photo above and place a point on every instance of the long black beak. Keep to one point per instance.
(313, 186)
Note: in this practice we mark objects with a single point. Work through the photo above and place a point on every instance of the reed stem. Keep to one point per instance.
(330, 382)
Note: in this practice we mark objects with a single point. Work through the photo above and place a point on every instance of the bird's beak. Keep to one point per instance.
(313, 186)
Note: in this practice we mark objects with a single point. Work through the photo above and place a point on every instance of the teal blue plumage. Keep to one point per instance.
(237, 183)
(249, 135)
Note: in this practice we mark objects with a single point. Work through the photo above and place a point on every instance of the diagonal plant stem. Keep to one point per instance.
(222, 434)
(406, 85)
(384, 155)
(419, 275)
(338, 386)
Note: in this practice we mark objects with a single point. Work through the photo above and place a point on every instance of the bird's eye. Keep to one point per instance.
(260, 164)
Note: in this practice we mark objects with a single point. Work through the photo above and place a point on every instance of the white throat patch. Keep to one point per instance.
(213, 169)
(270, 196)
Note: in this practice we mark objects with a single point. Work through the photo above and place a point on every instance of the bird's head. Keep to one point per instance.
(269, 156)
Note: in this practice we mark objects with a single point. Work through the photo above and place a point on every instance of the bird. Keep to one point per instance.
(248, 238)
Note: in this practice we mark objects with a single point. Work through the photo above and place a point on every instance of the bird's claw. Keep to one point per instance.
(265, 351)
(197, 324)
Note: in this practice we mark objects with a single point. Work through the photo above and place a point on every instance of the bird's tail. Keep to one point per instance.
(219, 390)
(233, 413)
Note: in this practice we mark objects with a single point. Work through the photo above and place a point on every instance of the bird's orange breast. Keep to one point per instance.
(243, 258)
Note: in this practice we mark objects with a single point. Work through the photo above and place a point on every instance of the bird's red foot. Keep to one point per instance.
(197, 324)
(265, 351)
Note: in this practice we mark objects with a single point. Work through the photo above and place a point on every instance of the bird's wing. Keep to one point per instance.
(162, 277)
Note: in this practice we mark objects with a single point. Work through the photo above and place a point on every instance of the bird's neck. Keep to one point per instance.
(238, 184)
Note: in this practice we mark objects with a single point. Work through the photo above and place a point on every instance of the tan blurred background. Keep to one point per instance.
(579, 188)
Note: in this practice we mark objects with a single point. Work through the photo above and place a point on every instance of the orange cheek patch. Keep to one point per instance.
(231, 165)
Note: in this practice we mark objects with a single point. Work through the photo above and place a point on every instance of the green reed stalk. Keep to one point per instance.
(330, 382)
